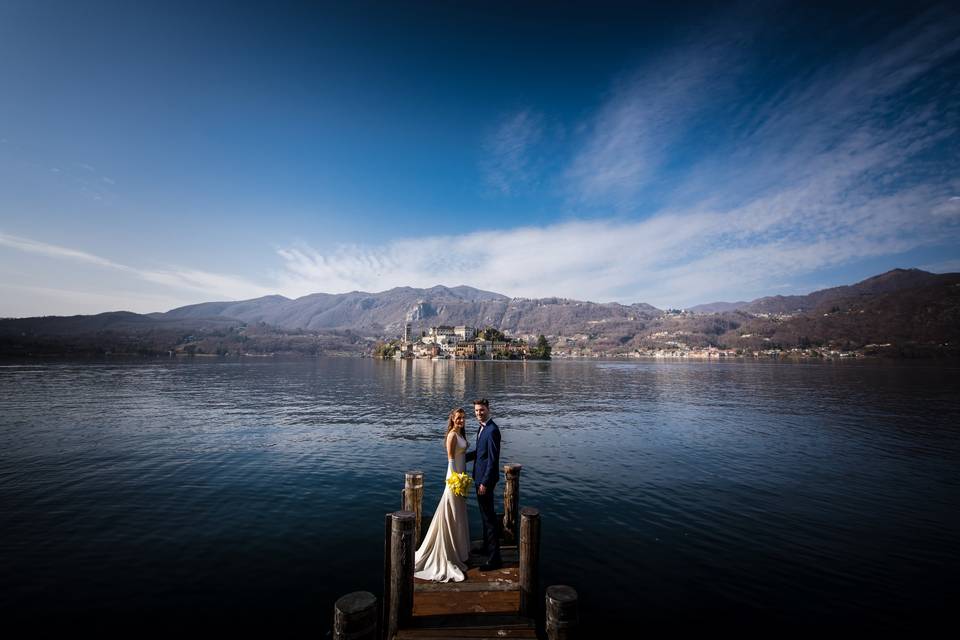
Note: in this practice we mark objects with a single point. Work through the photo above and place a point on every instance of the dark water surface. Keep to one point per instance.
(253, 492)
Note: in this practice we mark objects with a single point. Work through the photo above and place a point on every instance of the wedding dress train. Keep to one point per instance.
(443, 554)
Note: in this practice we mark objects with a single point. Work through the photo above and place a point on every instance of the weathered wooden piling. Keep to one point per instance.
(355, 617)
(385, 594)
(511, 503)
(529, 561)
(399, 607)
(562, 618)
(413, 498)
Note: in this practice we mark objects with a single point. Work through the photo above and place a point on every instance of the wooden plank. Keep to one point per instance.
(496, 575)
(472, 621)
(457, 634)
(505, 573)
(509, 556)
(476, 545)
(447, 603)
(457, 587)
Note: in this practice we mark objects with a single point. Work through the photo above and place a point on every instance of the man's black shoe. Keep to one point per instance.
(490, 566)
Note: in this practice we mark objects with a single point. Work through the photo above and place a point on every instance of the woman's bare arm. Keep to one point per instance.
(451, 445)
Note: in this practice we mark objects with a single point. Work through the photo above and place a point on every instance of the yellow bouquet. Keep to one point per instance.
(459, 483)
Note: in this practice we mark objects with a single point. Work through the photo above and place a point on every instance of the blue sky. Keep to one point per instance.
(160, 154)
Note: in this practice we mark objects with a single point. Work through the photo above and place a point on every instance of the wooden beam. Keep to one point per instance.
(355, 617)
(466, 587)
(562, 618)
(511, 503)
(529, 561)
(402, 548)
(413, 498)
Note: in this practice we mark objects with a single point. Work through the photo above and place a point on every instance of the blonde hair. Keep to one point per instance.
(451, 421)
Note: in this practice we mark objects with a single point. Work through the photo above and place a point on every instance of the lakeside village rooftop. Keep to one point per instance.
(458, 342)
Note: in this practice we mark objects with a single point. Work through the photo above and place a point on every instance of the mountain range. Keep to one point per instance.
(889, 282)
(384, 314)
(909, 308)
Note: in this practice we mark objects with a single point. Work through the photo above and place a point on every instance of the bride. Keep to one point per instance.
(443, 554)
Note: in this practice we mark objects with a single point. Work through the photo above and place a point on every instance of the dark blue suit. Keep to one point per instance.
(486, 472)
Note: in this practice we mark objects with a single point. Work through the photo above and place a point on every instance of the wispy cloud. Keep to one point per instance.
(508, 163)
(844, 164)
(27, 300)
(214, 285)
(849, 162)
(669, 259)
(949, 208)
(946, 266)
(218, 285)
(649, 114)
(55, 251)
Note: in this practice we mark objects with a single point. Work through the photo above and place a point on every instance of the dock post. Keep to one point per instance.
(562, 618)
(511, 503)
(355, 617)
(413, 498)
(529, 560)
(402, 546)
(385, 596)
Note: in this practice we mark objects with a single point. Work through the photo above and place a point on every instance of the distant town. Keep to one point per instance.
(463, 342)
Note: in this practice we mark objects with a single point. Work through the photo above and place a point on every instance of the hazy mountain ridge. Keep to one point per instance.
(915, 311)
(385, 313)
(893, 280)
(108, 321)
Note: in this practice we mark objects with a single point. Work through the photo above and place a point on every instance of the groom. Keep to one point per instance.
(486, 473)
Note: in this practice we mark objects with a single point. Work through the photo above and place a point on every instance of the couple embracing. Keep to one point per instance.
(443, 555)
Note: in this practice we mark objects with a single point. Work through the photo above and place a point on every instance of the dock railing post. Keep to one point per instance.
(399, 608)
(529, 561)
(385, 596)
(355, 617)
(413, 497)
(562, 618)
(511, 503)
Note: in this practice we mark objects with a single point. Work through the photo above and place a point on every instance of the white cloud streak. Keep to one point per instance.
(670, 259)
(26, 301)
(827, 172)
(55, 251)
(508, 163)
(215, 285)
(946, 266)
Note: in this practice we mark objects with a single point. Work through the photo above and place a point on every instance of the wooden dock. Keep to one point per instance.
(485, 605)
(501, 603)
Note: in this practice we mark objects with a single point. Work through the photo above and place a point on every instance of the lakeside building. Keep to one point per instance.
(445, 341)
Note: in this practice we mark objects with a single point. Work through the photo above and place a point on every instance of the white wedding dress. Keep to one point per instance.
(443, 554)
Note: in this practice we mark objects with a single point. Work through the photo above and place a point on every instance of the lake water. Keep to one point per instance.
(239, 493)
